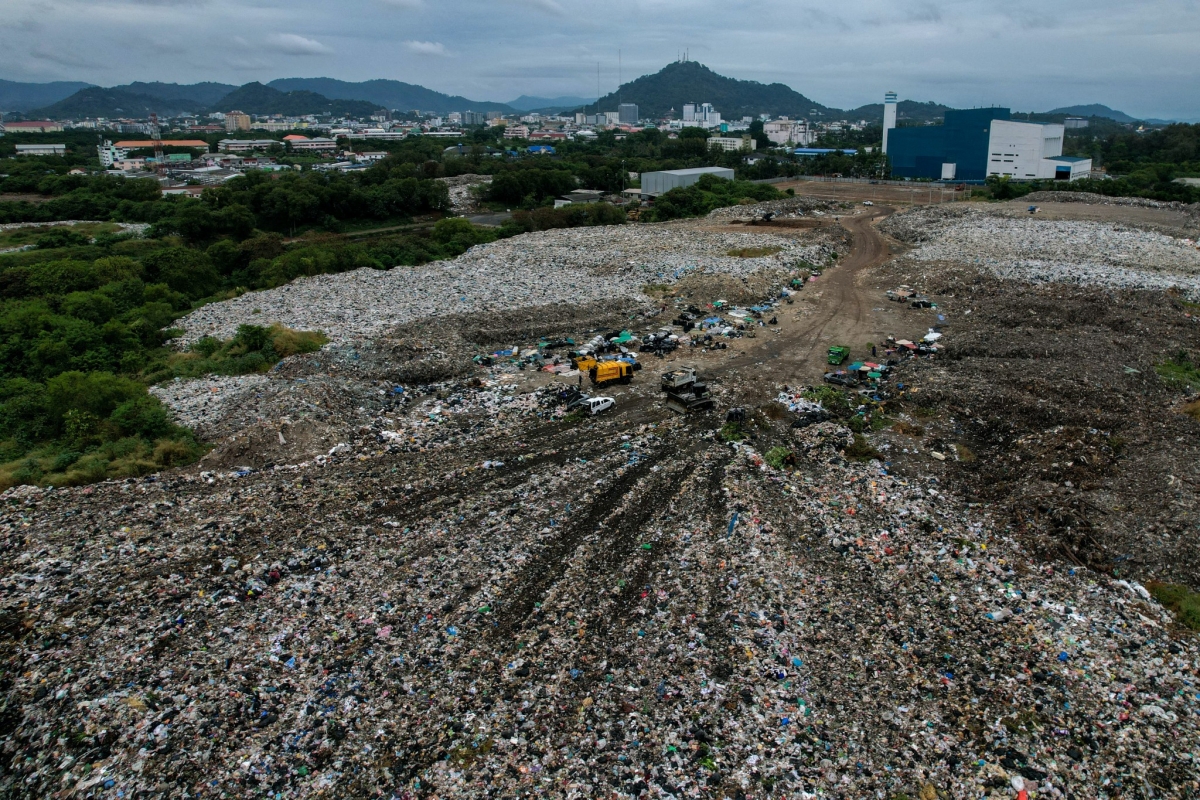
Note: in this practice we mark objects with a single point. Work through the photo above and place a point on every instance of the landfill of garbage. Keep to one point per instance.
(462, 189)
(414, 567)
(634, 610)
(788, 207)
(1098, 199)
(1050, 251)
(579, 265)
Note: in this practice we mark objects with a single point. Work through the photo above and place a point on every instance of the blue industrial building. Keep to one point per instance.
(962, 140)
(975, 144)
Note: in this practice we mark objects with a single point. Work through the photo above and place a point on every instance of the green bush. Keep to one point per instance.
(707, 195)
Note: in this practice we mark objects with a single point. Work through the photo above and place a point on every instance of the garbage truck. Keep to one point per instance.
(605, 372)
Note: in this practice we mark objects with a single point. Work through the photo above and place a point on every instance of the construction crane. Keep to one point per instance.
(160, 162)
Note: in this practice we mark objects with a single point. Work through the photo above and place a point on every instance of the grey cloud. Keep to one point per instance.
(293, 44)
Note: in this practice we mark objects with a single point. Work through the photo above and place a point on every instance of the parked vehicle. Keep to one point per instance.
(841, 378)
(838, 353)
(598, 404)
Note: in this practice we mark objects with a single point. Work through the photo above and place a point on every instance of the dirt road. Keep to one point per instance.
(844, 306)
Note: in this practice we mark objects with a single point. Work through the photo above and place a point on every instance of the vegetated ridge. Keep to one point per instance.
(527, 103)
(255, 98)
(16, 96)
(99, 102)
(1093, 110)
(202, 95)
(690, 82)
(386, 93)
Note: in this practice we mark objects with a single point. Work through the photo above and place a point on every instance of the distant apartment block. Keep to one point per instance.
(733, 144)
(237, 121)
(627, 114)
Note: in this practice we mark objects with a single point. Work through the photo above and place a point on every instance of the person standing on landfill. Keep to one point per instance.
(581, 380)
(872, 351)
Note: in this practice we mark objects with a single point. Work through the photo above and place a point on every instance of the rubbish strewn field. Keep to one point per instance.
(404, 573)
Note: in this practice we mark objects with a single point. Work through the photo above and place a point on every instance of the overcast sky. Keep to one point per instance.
(1139, 57)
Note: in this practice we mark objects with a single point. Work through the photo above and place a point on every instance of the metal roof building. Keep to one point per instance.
(656, 183)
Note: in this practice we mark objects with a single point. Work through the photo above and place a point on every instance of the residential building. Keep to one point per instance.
(316, 143)
(370, 157)
(627, 114)
(733, 144)
(237, 121)
(474, 118)
(41, 149)
(701, 115)
(1075, 123)
(656, 183)
(34, 126)
(974, 144)
(491, 115)
(789, 132)
(244, 145)
(516, 132)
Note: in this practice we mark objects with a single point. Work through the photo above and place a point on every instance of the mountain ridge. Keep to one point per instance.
(388, 93)
(691, 82)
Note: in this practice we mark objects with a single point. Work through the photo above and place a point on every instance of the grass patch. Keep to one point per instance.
(754, 252)
(965, 454)
(732, 432)
(253, 349)
(834, 400)
(861, 450)
(777, 457)
(1192, 409)
(1182, 602)
(1180, 372)
(575, 417)
(655, 289)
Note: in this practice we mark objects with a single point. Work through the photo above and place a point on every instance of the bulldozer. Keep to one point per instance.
(606, 372)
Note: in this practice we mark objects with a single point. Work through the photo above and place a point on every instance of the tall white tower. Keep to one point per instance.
(889, 117)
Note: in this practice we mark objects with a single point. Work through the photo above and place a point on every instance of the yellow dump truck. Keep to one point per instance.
(611, 372)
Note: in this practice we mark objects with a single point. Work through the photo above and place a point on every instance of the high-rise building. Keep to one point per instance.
(689, 112)
(474, 118)
(889, 117)
(628, 113)
(237, 121)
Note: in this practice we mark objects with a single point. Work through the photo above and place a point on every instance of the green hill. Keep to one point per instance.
(16, 96)
(255, 98)
(201, 95)
(690, 82)
(386, 94)
(906, 111)
(113, 103)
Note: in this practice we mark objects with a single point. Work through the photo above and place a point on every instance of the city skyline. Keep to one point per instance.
(842, 55)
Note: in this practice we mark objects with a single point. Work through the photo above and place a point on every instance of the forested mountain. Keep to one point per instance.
(527, 103)
(114, 103)
(690, 82)
(387, 94)
(906, 111)
(15, 96)
(255, 98)
(201, 95)
(1093, 110)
